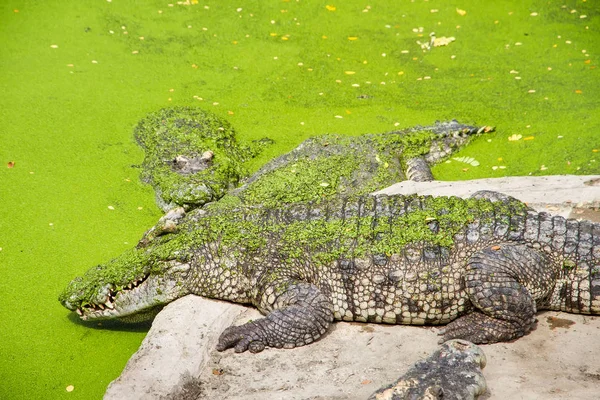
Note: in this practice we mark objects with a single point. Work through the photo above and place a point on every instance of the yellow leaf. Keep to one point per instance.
(529, 138)
(460, 12)
(349, 72)
(443, 41)
(330, 8)
(352, 37)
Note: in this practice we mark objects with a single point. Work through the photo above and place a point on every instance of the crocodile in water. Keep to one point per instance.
(194, 157)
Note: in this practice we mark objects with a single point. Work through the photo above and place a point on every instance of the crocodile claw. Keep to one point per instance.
(242, 338)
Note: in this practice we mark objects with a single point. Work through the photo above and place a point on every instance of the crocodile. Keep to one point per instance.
(193, 157)
(453, 372)
(332, 165)
(481, 266)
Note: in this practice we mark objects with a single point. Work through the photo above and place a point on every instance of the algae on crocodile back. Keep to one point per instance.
(318, 232)
(332, 165)
(174, 139)
(346, 227)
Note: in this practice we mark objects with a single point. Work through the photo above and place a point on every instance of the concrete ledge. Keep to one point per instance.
(565, 195)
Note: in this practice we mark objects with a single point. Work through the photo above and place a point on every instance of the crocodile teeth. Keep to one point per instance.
(110, 305)
(79, 311)
(129, 286)
(101, 306)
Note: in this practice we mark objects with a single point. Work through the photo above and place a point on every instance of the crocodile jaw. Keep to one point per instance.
(140, 300)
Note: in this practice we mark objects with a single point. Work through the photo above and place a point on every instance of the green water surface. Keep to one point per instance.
(75, 77)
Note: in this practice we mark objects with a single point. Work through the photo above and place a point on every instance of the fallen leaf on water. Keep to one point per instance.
(529, 138)
(10, 164)
(461, 12)
(514, 137)
(70, 388)
(330, 8)
(578, 91)
(467, 160)
(443, 41)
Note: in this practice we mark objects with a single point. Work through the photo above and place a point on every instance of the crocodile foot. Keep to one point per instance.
(300, 316)
(479, 328)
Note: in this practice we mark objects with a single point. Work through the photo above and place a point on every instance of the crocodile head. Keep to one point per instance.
(131, 288)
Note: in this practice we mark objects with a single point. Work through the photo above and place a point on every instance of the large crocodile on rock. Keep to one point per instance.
(482, 266)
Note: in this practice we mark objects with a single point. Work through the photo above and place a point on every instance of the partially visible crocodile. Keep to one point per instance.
(482, 267)
(333, 165)
(453, 372)
(193, 158)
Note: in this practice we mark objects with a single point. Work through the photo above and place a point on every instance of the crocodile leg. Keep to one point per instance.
(418, 170)
(299, 315)
(504, 298)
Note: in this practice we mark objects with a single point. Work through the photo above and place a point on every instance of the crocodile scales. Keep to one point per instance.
(483, 267)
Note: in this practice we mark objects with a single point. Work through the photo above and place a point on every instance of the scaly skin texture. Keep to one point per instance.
(453, 372)
(482, 267)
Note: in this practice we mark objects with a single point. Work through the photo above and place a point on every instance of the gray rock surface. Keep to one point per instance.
(177, 346)
(557, 360)
(556, 194)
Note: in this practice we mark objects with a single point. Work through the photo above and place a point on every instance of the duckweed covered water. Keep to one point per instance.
(77, 76)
